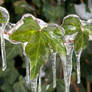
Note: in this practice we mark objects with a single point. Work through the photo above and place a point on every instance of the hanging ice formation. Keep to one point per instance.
(69, 48)
(40, 76)
(78, 55)
(34, 84)
(54, 69)
(53, 59)
(27, 65)
(67, 62)
(5, 15)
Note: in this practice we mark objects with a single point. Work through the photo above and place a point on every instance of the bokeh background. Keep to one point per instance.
(13, 79)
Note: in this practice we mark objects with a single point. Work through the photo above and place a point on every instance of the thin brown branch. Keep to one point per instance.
(88, 86)
(74, 85)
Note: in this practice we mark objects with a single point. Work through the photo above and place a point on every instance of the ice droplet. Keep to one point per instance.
(27, 65)
(78, 55)
(5, 15)
(34, 84)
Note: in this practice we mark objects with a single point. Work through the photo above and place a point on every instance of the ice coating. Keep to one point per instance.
(66, 60)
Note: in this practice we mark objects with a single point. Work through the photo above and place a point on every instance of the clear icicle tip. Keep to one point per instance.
(4, 67)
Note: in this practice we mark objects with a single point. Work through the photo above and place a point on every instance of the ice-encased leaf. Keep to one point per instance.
(25, 31)
(54, 37)
(38, 47)
(81, 40)
(40, 37)
(71, 24)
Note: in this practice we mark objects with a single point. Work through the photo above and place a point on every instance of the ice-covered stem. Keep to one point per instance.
(27, 65)
(78, 55)
(34, 85)
(53, 58)
(5, 15)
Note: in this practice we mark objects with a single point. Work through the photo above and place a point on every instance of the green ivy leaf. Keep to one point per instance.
(37, 51)
(40, 41)
(81, 40)
(71, 25)
(24, 33)
(50, 12)
(2, 20)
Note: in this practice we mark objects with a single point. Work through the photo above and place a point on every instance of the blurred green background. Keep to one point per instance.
(13, 79)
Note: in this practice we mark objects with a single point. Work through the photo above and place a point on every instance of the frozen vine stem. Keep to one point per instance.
(5, 15)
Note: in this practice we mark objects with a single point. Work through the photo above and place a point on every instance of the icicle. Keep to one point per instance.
(28, 76)
(54, 69)
(39, 88)
(67, 64)
(4, 65)
(63, 58)
(34, 84)
(69, 48)
(5, 14)
(78, 55)
(27, 65)
(40, 75)
(53, 58)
